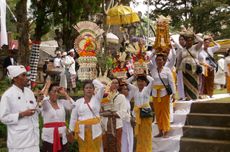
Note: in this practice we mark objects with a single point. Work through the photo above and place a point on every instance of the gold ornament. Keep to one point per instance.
(162, 42)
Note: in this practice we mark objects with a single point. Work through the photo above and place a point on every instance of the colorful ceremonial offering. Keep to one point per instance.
(162, 43)
(106, 102)
(139, 59)
(119, 72)
(87, 44)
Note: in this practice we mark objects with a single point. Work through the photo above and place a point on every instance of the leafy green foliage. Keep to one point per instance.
(4, 85)
(206, 16)
(50, 14)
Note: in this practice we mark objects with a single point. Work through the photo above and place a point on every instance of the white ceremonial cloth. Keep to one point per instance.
(180, 84)
(21, 133)
(82, 112)
(120, 107)
(127, 131)
(72, 66)
(220, 75)
(171, 60)
(50, 114)
(3, 32)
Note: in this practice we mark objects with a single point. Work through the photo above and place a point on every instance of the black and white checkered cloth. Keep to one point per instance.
(34, 58)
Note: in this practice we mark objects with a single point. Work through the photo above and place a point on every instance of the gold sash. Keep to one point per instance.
(205, 70)
(158, 88)
(91, 121)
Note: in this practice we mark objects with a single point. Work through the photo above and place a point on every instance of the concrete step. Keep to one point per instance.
(203, 145)
(175, 130)
(207, 132)
(210, 107)
(204, 119)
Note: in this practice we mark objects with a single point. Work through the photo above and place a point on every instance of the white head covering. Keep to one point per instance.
(72, 50)
(15, 70)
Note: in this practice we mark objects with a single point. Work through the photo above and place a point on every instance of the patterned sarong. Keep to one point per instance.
(208, 83)
(190, 80)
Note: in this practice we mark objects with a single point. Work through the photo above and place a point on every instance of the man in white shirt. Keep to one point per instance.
(69, 71)
(72, 70)
(18, 112)
(57, 60)
(220, 80)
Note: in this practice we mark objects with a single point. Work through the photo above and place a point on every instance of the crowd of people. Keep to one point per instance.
(188, 69)
(64, 69)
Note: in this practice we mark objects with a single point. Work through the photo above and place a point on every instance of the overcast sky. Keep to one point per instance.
(140, 7)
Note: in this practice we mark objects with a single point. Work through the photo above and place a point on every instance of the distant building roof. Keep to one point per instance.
(49, 47)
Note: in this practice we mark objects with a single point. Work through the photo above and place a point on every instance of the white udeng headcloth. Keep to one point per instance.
(15, 70)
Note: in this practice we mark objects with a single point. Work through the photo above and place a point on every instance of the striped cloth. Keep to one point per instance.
(191, 81)
(34, 58)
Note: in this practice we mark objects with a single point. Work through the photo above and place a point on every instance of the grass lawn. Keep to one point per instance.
(221, 100)
(222, 91)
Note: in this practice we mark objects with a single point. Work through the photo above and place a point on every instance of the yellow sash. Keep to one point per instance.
(137, 116)
(158, 88)
(205, 70)
(91, 121)
(174, 74)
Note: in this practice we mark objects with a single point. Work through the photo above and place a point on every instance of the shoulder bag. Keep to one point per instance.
(167, 87)
(212, 61)
(103, 129)
(199, 69)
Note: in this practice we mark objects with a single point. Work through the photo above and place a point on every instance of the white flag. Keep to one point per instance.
(3, 37)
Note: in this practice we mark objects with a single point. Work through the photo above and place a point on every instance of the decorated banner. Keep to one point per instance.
(34, 59)
(3, 32)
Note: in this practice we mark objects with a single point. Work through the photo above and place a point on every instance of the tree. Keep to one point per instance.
(42, 16)
(69, 12)
(10, 21)
(205, 16)
(23, 31)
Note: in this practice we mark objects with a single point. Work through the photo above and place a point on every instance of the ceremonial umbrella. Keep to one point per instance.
(120, 14)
